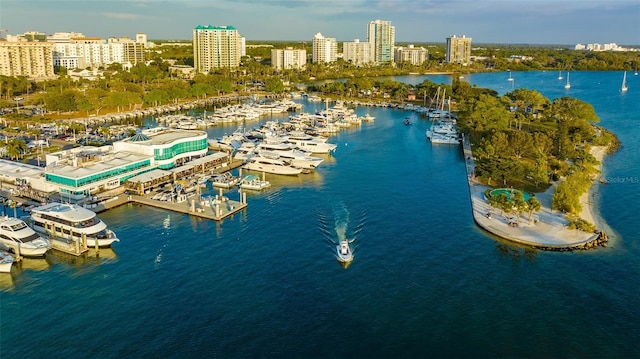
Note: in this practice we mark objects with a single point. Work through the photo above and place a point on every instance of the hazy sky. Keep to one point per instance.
(486, 21)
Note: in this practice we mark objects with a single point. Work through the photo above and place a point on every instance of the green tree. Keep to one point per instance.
(533, 205)
(16, 148)
(274, 85)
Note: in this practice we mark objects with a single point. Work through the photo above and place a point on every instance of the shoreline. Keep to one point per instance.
(588, 200)
(547, 229)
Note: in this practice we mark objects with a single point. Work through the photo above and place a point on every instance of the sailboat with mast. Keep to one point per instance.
(510, 77)
(624, 87)
(568, 84)
(560, 75)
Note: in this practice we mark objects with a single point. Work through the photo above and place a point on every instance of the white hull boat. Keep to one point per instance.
(276, 166)
(226, 180)
(64, 222)
(17, 236)
(344, 253)
(253, 182)
(6, 261)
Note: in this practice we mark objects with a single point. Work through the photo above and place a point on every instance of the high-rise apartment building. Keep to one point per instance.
(411, 54)
(356, 52)
(381, 36)
(23, 58)
(288, 58)
(458, 50)
(74, 50)
(325, 49)
(215, 47)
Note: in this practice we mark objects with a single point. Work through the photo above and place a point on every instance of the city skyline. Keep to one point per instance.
(496, 21)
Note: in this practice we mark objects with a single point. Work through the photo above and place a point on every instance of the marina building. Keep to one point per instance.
(411, 54)
(325, 49)
(381, 36)
(167, 155)
(26, 58)
(215, 47)
(458, 50)
(288, 58)
(356, 52)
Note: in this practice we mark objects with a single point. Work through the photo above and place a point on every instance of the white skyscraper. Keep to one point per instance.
(215, 47)
(381, 36)
(325, 49)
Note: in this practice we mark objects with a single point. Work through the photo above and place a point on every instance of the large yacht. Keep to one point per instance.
(17, 236)
(271, 164)
(65, 221)
(311, 145)
(294, 156)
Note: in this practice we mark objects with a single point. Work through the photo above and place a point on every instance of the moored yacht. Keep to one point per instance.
(290, 154)
(443, 132)
(17, 236)
(271, 164)
(63, 222)
(311, 145)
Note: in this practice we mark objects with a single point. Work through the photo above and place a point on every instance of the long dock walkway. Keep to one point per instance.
(548, 231)
(215, 210)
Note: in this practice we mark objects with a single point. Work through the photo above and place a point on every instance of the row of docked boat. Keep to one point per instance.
(53, 225)
(225, 115)
(444, 129)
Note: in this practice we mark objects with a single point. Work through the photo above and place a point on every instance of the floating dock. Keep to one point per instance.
(217, 208)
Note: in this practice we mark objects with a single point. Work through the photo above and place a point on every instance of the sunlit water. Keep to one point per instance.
(425, 281)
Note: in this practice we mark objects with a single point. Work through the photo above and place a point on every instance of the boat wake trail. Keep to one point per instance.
(341, 224)
(166, 225)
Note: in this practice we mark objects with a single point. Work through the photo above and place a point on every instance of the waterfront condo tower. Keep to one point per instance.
(288, 58)
(356, 52)
(31, 59)
(381, 37)
(325, 49)
(458, 50)
(215, 47)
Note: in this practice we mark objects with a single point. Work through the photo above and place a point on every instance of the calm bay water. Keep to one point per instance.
(425, 280)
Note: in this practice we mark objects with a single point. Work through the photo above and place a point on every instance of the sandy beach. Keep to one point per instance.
(588, 199)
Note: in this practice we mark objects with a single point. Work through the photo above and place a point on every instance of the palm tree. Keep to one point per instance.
(16, 148)
(533, 205)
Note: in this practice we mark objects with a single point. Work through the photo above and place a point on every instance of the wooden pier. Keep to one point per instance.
(215, 209)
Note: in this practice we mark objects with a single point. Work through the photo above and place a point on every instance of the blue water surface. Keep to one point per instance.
(425, 281)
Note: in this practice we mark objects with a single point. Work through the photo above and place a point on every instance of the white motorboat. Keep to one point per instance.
(274, 165)
(311, 145)
(345, 254)
(253, 182)
(290, 154)
(299, 135)
(245, 151)
(225, 180)
(443, 132)
(64, 222)
(6, 261)
(17, 236)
